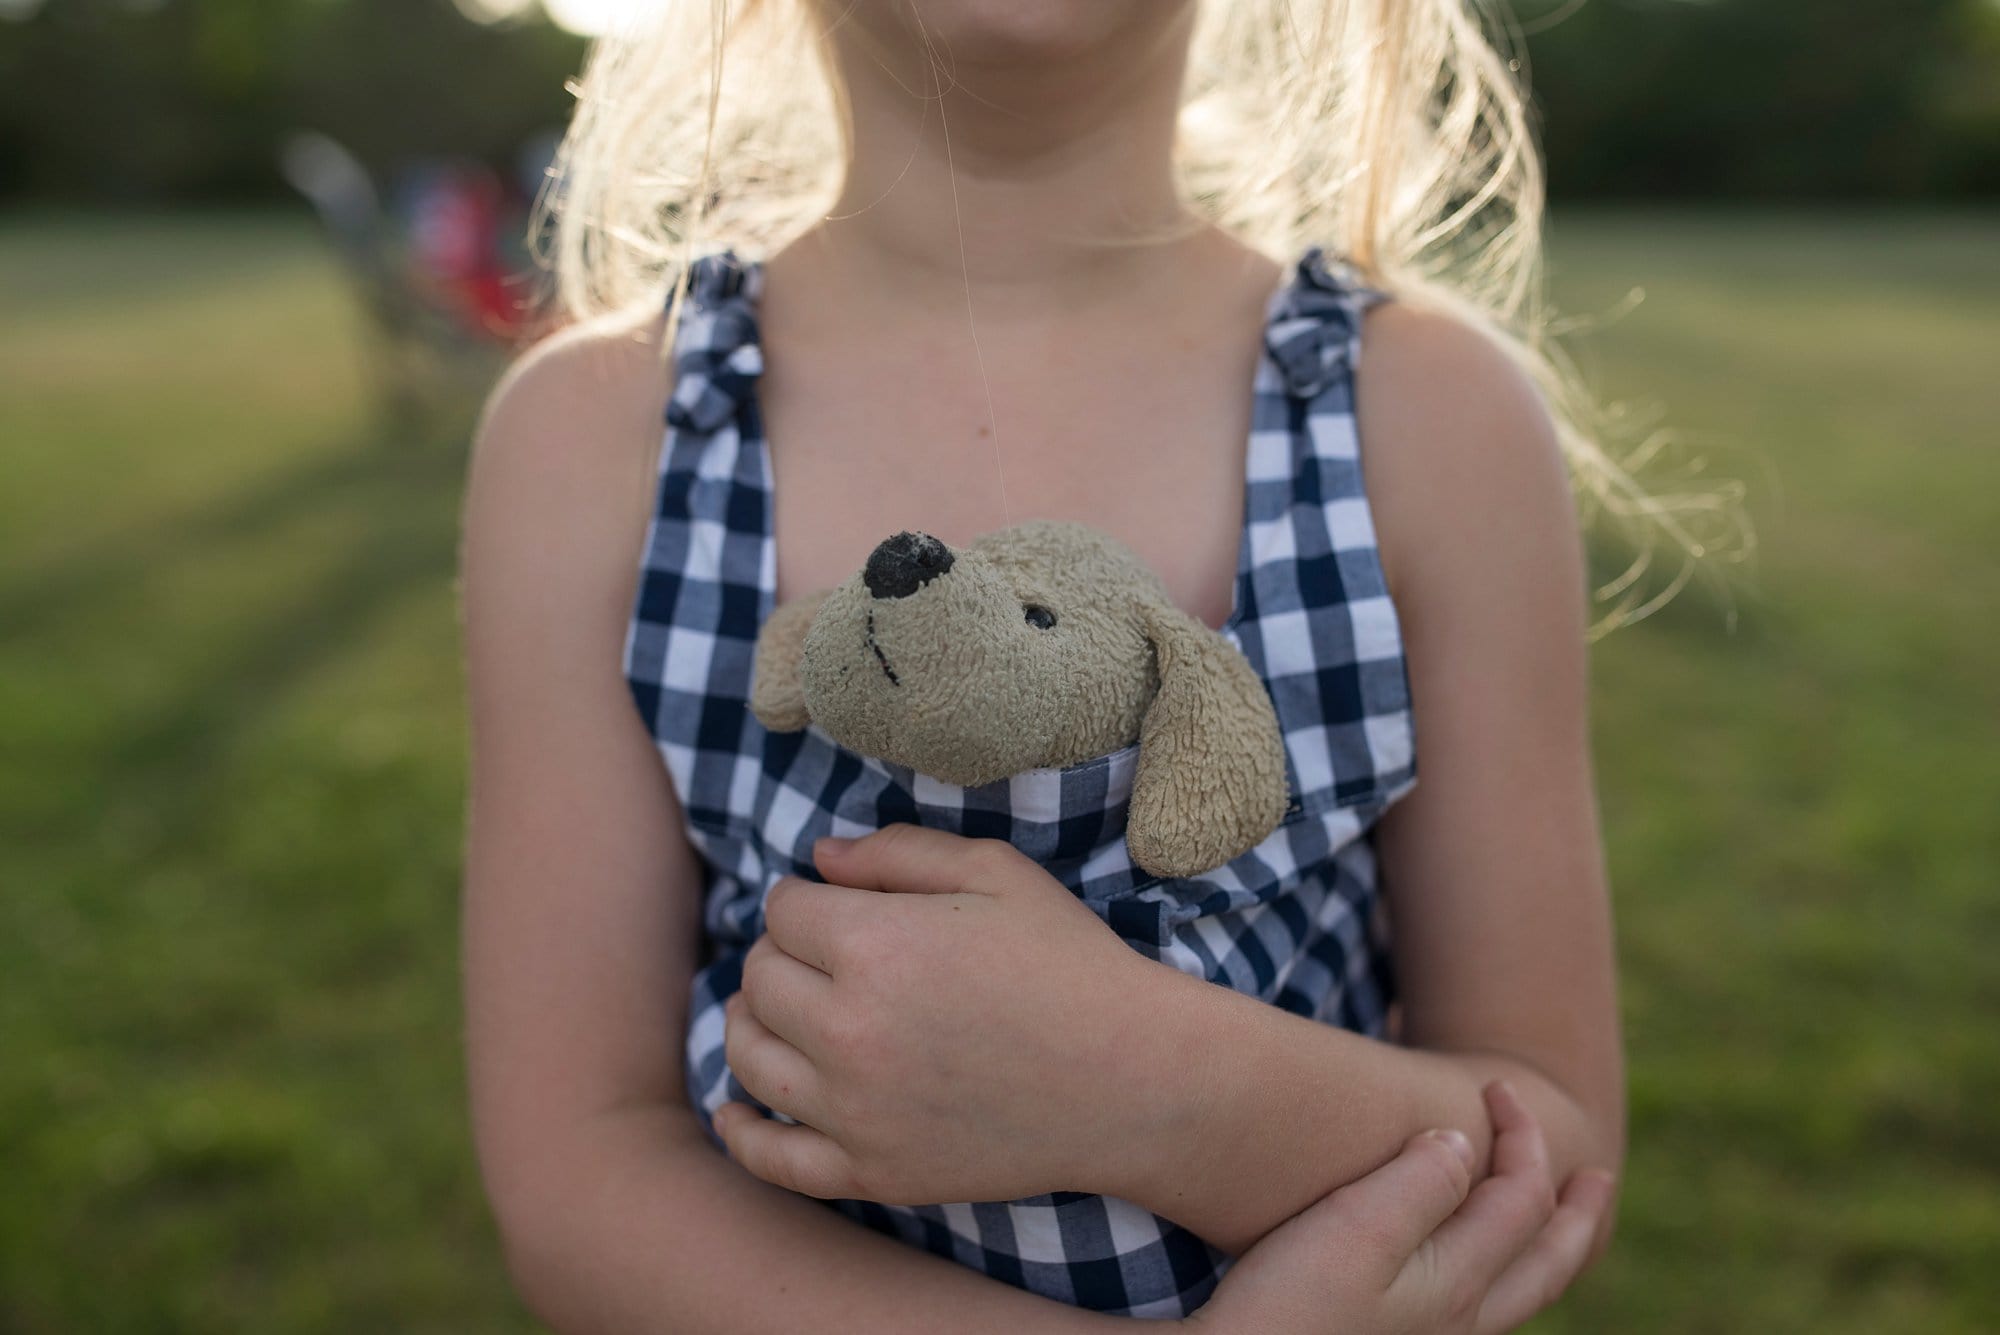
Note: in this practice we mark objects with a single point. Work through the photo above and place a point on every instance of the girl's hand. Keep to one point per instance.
(962, 1037)
(1406, 1250)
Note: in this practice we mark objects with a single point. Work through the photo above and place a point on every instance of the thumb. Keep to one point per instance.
(911, 859)
(1403, 1202)
(1344, 1252)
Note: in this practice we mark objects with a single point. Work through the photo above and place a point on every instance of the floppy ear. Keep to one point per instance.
(1211, 777)
(776, 697)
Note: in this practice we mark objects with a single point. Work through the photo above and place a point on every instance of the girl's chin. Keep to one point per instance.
(1006, 32)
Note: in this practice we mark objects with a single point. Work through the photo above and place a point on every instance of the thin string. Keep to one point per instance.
(965, 268)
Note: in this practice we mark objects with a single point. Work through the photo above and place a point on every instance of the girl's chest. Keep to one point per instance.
(1229, 464)
(1149, 448)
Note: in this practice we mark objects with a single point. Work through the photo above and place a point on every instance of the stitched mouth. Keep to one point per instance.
(881, 658)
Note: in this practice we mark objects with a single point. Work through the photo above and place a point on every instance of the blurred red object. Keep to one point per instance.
(460, 216)
(445, 277)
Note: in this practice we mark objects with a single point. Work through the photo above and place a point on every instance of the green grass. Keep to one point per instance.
(232, 1094)
(1801, 815)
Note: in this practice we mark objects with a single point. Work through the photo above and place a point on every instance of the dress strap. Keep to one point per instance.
(716, 352)
(1314, 331)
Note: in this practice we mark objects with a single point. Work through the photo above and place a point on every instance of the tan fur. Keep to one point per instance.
(776, 697)
(1211, 779)
(979, 694)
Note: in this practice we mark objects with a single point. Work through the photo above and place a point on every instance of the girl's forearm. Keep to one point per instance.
(643, 1226)
(1257, 1112)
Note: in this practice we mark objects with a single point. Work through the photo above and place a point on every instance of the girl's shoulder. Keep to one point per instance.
(557, 490)
(1461, 448)
(580, 410)
(608, 372)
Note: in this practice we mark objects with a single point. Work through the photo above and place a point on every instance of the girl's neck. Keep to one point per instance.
(1011, 177)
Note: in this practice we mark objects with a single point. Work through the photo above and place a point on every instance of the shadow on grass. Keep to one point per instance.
(395, 513)
(344, 476)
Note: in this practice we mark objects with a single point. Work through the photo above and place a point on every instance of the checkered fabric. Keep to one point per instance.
(1292, 921)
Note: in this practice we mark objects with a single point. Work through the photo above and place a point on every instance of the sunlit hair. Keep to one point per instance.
(1393, 132)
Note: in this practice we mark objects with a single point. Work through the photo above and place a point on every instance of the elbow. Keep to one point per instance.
(557, 1207)
(1585, 1125)
(1583, 1116)
(1615, 1134)
(1605, 1112)
(535, 1267)
(1596, 1112)
(1584, 1119)
(538, 1227)
(1601, 1243)
(1604, 1134)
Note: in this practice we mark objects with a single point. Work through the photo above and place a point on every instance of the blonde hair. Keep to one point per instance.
(1395, 133)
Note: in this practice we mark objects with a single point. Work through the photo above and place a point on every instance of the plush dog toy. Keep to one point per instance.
(1035, 646)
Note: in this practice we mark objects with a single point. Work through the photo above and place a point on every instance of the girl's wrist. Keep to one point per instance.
(1159, 1089)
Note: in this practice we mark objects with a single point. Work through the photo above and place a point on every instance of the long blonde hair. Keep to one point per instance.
(1395, 133)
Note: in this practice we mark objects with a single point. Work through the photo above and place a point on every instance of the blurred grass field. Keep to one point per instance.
(231, 774)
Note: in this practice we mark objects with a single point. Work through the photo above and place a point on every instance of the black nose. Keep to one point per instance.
(905, 563)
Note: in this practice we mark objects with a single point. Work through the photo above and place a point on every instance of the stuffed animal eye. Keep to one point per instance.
(1038, 616)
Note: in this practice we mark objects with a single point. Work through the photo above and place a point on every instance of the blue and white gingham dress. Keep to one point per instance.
(1292, 921)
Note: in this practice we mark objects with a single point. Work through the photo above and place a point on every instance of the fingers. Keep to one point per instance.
(774, 1072)
(1541, 1273)
(796, 1158)
(786, 996)
(1518, 1147)
(813, 922)
(1405, 1200)
(914, 860)
(1505, 1212)
(1338, 1259)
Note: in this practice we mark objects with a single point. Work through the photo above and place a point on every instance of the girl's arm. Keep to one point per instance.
(1492, 865)
(580, 925)
(1073, 1062)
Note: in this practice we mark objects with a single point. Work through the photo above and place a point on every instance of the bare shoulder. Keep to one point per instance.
(563, 462)
(584, 398)
(1463, 460)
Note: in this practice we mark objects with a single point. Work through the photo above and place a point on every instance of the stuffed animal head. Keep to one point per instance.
(1035, 646)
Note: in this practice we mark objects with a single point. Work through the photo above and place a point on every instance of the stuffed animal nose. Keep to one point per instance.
(901, 565)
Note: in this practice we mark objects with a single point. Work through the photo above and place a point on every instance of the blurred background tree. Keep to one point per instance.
(177, 100)
(188, 100)
(1769, 99)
